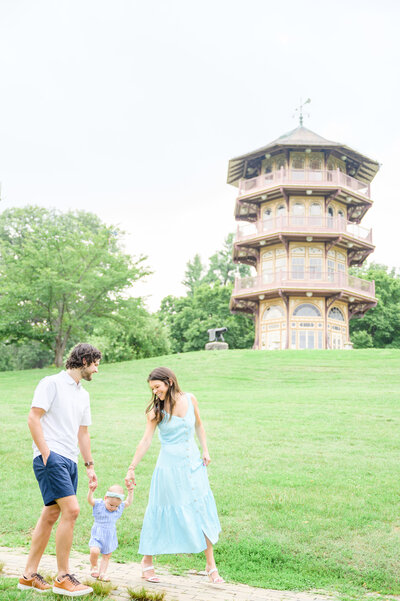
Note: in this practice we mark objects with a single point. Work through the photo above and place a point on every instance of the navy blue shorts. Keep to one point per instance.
(57, 479)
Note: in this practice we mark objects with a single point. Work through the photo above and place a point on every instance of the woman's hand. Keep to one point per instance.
(206, 458)
(130, 479)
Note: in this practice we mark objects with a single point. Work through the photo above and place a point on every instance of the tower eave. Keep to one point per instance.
(302, 137)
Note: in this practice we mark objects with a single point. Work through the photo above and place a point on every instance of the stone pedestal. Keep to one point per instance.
(217, 346)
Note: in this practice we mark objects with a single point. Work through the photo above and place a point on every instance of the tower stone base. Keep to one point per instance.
(217, 346)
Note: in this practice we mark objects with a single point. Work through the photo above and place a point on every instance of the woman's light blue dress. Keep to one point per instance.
(181, 509)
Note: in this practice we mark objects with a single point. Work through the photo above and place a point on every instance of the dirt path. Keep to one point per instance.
(192, 587)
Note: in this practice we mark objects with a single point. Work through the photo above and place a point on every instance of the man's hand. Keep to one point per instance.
(91, 474)
(45, 456)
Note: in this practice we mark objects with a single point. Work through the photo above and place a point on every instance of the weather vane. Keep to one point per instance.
(300, 110)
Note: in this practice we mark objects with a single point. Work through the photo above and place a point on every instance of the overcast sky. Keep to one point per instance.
(132, 110)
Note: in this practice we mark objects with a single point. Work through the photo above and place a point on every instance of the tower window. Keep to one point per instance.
(298, 208)
(298, 163)
(315, 164)
(315, 209)
(336, 313)
(273, 312)
(306, 310)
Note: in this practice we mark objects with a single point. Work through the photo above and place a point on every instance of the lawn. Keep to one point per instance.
(305, 470)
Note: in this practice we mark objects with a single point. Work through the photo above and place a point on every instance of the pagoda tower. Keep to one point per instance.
(300, 201)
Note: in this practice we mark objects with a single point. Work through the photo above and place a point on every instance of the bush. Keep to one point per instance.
(28, 355)
(362, 339)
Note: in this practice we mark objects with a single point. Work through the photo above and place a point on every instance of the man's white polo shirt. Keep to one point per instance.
(67, 407)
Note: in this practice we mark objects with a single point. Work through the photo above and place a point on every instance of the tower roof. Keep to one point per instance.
(365, 168)
(300, 136)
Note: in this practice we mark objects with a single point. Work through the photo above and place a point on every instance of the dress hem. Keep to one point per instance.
(175, 552)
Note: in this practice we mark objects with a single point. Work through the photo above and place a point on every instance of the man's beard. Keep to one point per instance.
(85, 374)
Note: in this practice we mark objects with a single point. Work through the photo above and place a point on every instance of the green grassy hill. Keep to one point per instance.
(305, 470)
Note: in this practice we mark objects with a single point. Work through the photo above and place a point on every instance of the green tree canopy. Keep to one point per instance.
(206, 305)
(380, 326)
(59, 273)
(222, 267)
(189, 318)
(132, 334)
(193, 274)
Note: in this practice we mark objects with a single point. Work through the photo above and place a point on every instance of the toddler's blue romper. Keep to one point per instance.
(104, 530)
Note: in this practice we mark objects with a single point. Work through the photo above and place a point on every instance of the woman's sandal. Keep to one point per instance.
(149, 578)
(103, 577)
(218, 579)
(95, 573)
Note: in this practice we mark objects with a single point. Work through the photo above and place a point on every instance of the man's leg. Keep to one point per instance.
(66, 583)
(65, 531)
(40, 538)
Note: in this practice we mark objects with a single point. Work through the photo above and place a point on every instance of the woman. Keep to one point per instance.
(181, 516)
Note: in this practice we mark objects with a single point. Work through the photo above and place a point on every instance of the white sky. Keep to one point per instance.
(132, 110)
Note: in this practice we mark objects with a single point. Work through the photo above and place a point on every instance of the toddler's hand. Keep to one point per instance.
(92, 486)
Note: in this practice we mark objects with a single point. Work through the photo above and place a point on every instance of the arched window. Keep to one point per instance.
(267, 219)
(315, 214)
(298, 162)
(273, 312)
(281, 210)
(267, 266)
(298, 208)
(315, 209)
(297, 170)
(306, 310)
(336, 313)
(298, 212)
(330, 217)
(315, 163)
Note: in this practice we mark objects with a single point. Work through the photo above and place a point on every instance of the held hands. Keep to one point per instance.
(206, 458)
(130, 479)
(92, 478)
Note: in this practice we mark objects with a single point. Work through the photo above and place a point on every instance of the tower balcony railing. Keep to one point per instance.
(309, 224)
(303, 279)
(299, 177)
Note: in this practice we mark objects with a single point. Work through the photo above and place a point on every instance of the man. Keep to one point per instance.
(58, 421)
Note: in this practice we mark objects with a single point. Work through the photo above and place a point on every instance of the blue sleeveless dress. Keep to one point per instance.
(181, 507)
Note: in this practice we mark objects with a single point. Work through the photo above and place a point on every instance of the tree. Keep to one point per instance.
(222, 267)
(133, 334)
(206, 305)
(190, 317)
(24, 355)
(193, 274)
(380, 326)
(60, 272)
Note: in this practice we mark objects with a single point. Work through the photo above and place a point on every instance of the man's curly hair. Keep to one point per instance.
(79, 353)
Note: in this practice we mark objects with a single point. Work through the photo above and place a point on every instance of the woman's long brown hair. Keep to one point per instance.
(169, 378)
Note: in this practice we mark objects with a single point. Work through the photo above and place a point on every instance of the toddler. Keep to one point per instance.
(103, 537)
